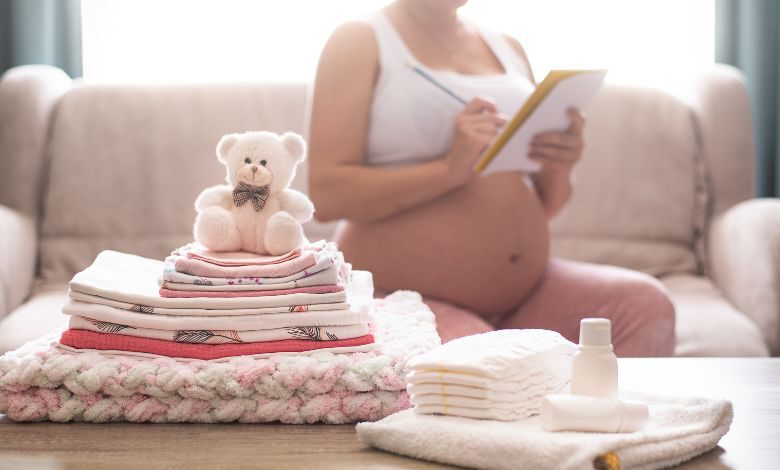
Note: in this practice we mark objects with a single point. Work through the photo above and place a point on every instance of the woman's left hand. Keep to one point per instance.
(559, 151)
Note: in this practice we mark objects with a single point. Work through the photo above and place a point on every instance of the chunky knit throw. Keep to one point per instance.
(42, 382)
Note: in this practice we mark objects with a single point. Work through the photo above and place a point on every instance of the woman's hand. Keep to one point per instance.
(558, 152)
(475, 127)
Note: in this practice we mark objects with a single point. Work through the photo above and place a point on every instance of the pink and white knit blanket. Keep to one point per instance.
(40, 382)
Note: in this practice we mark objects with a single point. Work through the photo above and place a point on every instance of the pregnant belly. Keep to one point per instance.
(483, 247)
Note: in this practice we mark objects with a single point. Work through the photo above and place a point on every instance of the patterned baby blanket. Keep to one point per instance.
(40, 381)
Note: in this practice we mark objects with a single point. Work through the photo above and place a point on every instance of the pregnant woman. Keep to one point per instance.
(392, 155)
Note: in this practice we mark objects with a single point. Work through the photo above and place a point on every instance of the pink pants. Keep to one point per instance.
(638, 306)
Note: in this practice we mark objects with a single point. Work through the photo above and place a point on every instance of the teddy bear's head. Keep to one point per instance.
(261, 158)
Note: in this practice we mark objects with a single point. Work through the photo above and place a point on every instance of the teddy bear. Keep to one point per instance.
(256, 211)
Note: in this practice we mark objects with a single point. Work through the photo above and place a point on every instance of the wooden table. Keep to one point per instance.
(753, 442)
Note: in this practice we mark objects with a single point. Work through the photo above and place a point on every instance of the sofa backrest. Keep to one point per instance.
(128, 161)
(635, 193)
(125, 164)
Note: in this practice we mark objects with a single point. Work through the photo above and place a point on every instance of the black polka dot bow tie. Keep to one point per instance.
(257, 194)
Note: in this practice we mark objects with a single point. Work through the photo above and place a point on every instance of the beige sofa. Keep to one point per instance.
(665, 186)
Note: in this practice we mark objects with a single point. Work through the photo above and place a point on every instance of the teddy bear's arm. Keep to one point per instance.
(220, 195)
(297, 205)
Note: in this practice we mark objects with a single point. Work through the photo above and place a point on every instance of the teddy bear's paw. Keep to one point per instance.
(216, 229)
(283, 233)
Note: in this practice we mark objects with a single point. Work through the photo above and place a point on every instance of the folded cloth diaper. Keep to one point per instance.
(512, 395)
(497, 375)
(507, 414)
(431, 399)
(499, 354)
(679, 429)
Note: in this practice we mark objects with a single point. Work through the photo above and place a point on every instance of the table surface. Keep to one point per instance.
(753, 386)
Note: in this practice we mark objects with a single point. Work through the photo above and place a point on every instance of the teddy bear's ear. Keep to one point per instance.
(225, 144)
(295, 145)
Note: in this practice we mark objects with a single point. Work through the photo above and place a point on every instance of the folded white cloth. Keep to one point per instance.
(326, 277)
(213, 336)
(133, 279)
(94, 299)
(266, 321)
(679, 429)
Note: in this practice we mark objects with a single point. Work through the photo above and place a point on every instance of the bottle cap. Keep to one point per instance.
(634, 417)
(595, 332)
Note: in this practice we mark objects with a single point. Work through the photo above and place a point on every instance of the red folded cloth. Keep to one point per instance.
(252, 293)
(84, 339)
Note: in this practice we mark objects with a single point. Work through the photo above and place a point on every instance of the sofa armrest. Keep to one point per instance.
(18, 246)
(29, 95)
(744, 261)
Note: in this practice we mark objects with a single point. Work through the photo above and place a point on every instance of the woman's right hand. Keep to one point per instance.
(475, 127)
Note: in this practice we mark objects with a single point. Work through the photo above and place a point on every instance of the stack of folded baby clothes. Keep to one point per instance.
(221, 337)
(216, 305)
(501, 375)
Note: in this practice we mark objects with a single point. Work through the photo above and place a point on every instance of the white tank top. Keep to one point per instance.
(411, 120)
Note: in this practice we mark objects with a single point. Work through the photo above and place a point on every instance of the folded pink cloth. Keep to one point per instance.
(164, 292)
(83, 339)
(197, 267)
(240, 258)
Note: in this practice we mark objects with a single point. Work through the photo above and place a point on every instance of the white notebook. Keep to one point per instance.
(544, 111)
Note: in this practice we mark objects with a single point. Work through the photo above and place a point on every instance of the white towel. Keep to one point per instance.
(679, 429)
(265, 321)
(133, 279)
(223, 336)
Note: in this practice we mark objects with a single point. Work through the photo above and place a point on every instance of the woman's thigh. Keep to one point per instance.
(453, 321)
(637, 304)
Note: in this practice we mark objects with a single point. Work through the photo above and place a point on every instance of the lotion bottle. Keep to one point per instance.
(594, 369)
(580, 413)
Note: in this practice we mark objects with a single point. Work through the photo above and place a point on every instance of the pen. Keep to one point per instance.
(435, 82)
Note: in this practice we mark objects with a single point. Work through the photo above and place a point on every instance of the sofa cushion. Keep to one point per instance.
(634, 201)
(128, 161)
(707, 324)
(41, 314)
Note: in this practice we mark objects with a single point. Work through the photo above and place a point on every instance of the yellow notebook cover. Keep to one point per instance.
(543, 111)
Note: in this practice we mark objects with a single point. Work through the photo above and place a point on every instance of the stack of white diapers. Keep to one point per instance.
(501, 375)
